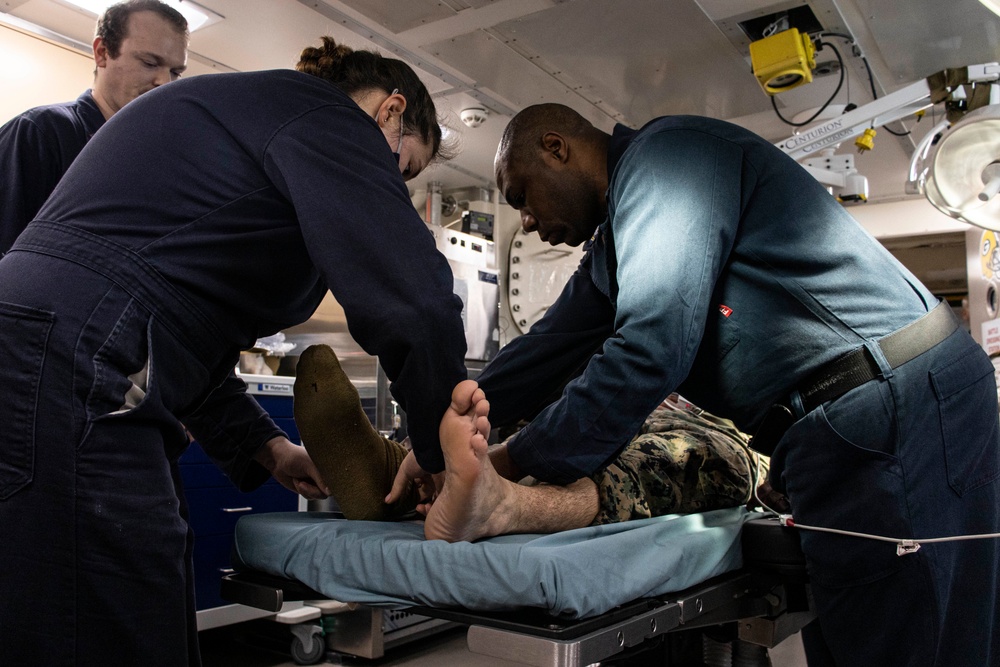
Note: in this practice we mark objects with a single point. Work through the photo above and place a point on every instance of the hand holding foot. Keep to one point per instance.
(411, 474)
(291, 465)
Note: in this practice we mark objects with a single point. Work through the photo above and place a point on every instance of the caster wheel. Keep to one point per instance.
(309, 654)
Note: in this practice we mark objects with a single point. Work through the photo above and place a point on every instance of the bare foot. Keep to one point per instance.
(475, 501)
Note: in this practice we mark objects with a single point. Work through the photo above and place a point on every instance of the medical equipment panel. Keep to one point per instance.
(477, 282)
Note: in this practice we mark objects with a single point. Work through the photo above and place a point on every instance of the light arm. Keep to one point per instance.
(895, 106)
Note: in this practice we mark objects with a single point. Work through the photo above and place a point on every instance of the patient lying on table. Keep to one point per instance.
(683, 460)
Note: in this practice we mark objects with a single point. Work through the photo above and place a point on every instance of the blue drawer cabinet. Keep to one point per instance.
(216, 510)
(201, 475)
(215, 504)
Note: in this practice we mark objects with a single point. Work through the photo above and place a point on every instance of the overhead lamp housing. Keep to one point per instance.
(961, 177)
(783, 61)
(197, 16)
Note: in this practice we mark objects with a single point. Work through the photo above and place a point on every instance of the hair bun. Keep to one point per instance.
(324, 60)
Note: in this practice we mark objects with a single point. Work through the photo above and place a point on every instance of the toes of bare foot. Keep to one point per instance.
(463, 395)
(482, 421)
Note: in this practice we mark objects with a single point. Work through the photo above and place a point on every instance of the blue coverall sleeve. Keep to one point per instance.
(532, 369)
(31, 168)
(673, 204)
(231, 426)
(378, 258)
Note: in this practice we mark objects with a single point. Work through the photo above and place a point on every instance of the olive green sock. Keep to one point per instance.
(354, 460)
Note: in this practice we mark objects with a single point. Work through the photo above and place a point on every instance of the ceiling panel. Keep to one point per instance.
(266, 34)
(629, 59)
(919, 37)
(398, 16)
(57, 17)
(612, 60)
(494, 65)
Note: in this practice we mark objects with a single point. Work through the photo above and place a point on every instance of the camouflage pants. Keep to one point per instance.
(682, 461)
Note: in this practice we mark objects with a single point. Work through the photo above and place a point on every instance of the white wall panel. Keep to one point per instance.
(38, 72)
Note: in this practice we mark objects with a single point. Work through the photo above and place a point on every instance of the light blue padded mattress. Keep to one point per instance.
(574, 574)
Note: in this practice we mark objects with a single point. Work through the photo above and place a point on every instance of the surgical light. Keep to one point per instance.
(961, 174)
(196, 15)
(783, 60)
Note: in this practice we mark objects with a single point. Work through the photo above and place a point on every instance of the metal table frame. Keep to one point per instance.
(766, 608)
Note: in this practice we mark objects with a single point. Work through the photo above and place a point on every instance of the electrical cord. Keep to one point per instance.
(850, 42)
(847, 38)
(774, 103)
(904, 545)
(871, 77)
(871, 82)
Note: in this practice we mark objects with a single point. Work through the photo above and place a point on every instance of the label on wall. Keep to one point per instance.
(991, 336)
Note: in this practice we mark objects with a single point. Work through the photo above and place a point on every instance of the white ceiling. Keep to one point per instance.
(612, 60)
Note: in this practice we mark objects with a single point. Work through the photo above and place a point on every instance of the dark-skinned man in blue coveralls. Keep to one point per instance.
(719, 268)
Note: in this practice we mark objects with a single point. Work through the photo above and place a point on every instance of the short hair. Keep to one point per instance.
(354, 71)
(112, 26)
(522, 138)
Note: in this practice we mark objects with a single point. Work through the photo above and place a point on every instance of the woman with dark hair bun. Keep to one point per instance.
(359, 72)
(205, 215)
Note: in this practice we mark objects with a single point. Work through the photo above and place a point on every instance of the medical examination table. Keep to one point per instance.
(574, 598)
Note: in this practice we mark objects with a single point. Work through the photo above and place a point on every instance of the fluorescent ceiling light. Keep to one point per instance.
(196, 15)
(992, 5)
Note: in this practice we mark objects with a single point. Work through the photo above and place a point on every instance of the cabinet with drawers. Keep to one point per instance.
(215, 504)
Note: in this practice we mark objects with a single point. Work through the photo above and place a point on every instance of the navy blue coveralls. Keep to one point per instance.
(206, 214)
(728, 273)
(36, 149)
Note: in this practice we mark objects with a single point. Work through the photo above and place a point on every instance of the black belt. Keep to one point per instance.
(858, 366)
(854, 369)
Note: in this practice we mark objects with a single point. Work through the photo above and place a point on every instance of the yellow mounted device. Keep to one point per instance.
(783, 61)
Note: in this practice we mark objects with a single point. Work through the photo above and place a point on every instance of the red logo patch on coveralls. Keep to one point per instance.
(725, 310)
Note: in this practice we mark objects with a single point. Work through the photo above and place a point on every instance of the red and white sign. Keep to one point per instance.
(991, 336)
